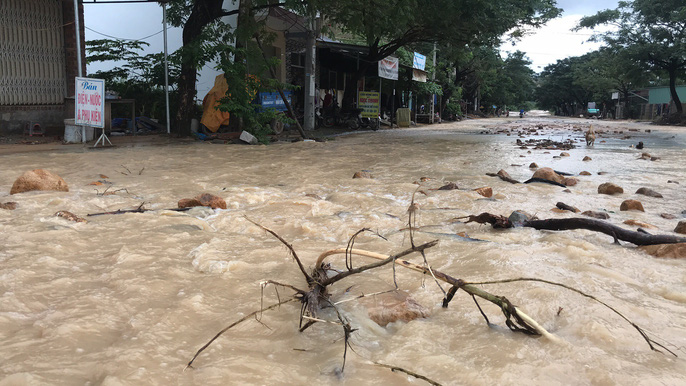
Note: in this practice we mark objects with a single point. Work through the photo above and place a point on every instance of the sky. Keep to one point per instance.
(543, 46)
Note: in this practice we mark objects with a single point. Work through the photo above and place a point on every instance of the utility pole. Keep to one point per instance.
(77, 30)
(166, 63)
(310, 72)
(433, 96)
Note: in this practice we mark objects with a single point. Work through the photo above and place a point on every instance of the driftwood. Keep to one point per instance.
(544, 181)
(563, 206)
(140, 209)
(504, 178)
(618, 233)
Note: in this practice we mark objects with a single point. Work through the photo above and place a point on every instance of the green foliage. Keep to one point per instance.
(651, 33)
(139, 77)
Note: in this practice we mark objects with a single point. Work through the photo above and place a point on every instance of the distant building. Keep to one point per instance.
(38, 64)
(660, 102)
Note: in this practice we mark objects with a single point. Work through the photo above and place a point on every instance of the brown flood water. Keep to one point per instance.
(128, 299)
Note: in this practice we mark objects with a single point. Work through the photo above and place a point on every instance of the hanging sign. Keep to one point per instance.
(388, 68)
(90, 102)
(418, 75)
(368, 102)
(419, 61)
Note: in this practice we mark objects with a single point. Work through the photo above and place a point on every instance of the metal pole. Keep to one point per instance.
(77, 31)
(433, 96)
(310, 72)
(166, 64)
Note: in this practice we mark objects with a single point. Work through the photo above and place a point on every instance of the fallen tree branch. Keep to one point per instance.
(408, 372)
(140, 209)
(239, 321)
(650, 341)
(529, 324)
(638, 238)
(561, 224)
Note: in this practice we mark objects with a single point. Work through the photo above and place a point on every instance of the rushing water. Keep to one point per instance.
(128, 299)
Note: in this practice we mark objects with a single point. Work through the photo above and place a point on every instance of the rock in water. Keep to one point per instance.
(204, 199)
(392, 307)
(8, 205)
(587, 158)
(585, 173)
(681, 227)
(648, 192)
(549, 174)
(449, 186)
(595, 214)
(39, 179)
(485, 191)
(610, 188)
(363, 174)
(674, 251)
(533, 165)
(631, 205)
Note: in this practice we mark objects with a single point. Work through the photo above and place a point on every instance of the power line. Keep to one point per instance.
(118, 38)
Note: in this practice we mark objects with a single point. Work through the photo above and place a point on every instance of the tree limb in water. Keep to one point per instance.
(562, 224)
(140, 209)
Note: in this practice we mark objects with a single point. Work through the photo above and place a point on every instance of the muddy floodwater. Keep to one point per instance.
(128, 299)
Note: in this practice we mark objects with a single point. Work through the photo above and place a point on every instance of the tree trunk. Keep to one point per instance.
(672, 91)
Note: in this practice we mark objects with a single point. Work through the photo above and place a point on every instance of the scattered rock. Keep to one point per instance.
(609, 188)
(564, 154)
(602, 173)
(681, 227)
(312, 195)
(38, 179)
(654, 158)
(639, 224)
(204, 199)
(8, 205)
(549, 174)
(70, 216)
(595, 214)
(587, 158)
(585, 173)
(631, 205)
(668, 216)
(518, 218)
(485, 191)
(639, 146)
(363, 174)
(648, 192)
(645, 156)
(674, 251)
(103, 176)
(567, 191)
(565, 207)
(571, 181)
(393, 306)
(672, 182)
(533, 165)
(449, 186)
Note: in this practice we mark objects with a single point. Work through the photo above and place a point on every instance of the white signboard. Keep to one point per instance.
(419, 61)
(90, 102)
(615, 95)
(388, 68)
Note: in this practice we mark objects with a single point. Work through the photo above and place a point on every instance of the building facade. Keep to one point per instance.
(38, 63)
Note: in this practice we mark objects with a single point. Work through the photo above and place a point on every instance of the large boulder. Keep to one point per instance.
(549, 174)
(204, 199)
(631, 205)
(39, 179)
(674, 251)
(648, 192)
(610, 188)
(393, 306)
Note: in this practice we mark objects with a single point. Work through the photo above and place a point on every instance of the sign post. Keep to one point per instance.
(90, 105)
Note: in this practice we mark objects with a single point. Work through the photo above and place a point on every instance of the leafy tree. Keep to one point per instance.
(386, 26)
(558, 90)
(139, 77)
(652, 32)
